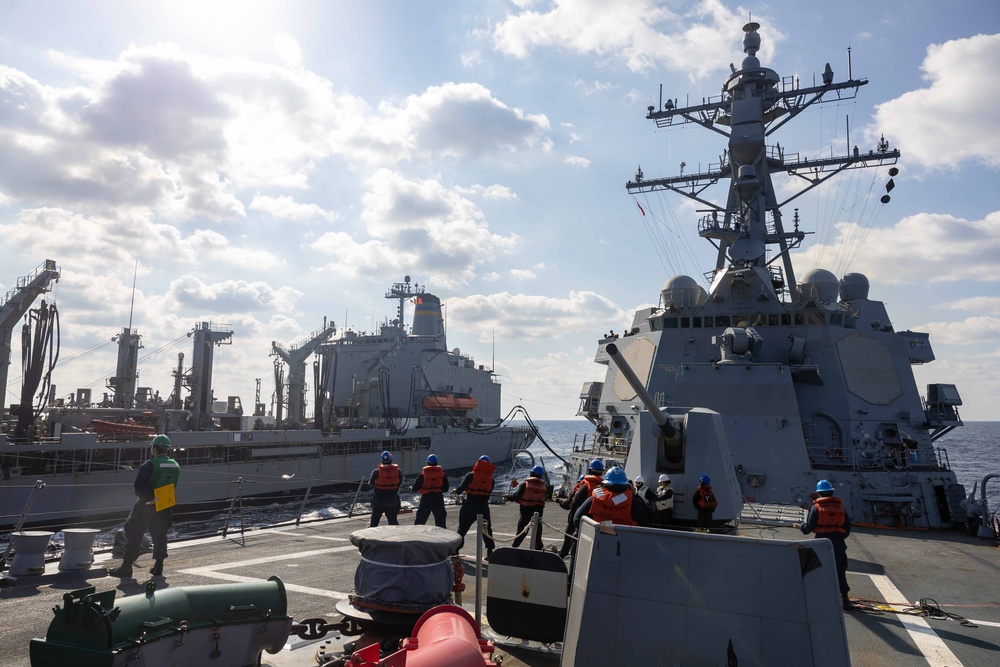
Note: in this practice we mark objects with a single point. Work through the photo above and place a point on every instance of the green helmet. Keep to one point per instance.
(161, 442)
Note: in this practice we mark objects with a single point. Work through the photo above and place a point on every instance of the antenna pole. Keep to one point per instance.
(131, 307)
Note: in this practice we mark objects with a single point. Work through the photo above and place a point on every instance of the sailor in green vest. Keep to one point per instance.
(155, 484)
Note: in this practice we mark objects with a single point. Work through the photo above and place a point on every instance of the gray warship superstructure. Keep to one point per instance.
(810, 376)
(398, 389)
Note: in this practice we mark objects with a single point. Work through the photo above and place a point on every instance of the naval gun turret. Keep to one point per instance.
(685, 444)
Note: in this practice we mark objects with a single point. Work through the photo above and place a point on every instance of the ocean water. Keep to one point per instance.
(973, 453)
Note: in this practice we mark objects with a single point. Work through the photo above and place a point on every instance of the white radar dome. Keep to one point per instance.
(682, 291)
(820, 285)
(854, 286)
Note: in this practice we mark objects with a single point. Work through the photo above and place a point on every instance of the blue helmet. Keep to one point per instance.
(705, 479)
(432, 460)
(538, 471)
(484, 458)
(823, 486)
(596, 464)
(616, 476)
(386, 457)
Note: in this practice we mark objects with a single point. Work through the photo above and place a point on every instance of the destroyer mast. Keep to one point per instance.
(754, 103)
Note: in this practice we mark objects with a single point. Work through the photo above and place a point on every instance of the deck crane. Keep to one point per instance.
(296, 357)
(14, 304)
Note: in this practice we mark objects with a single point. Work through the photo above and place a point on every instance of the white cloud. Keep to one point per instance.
(577, 161)
(522, 274)
(986, 305)
(523, 317)
(286, 208)
(937, 247)
(966, 332)
(458, 120)
(472, 59)
(635, 33)
(231, 296)
(592, 87)
(937, 126)
(496, 192)
(288, 49)
(416, 226)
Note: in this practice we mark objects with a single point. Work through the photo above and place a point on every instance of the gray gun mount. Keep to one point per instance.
(668, 431)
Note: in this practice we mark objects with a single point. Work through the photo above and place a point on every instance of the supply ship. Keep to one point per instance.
(398, 389)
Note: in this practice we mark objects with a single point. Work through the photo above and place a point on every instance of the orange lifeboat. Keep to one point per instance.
(440, 402)
(465, 403)
(127, 428)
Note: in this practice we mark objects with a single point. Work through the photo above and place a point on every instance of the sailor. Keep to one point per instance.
(828, 518)
(385, 481)
(477, 485)
(530, 495)
(614, 501)
(592, 480)
(644, 491)
(431, 483)
(705, 501)
(155, 485)
(663, 505)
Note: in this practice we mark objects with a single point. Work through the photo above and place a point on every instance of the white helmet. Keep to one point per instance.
(664, 478)
(639, 479)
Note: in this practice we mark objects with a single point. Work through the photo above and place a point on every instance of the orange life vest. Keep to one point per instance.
(388, 477)
(482, 479)
(704, 499)
(593, 482)
(831, 515)
(433, 480)
(615, 508)
(534, 493)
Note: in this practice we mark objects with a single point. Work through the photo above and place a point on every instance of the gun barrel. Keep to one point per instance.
(668, 429)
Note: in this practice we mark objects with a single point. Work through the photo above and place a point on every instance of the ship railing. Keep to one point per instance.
(941, 457)
(198, 519)
(833, 458)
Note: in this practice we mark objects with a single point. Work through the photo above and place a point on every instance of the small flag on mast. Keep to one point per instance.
(641, 209)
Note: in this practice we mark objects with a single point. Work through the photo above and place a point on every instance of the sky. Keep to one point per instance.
(274, 165)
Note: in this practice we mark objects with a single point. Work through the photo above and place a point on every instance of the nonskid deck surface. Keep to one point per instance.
(892, 569)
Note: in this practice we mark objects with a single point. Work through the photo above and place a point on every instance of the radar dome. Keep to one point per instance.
(819, 285)
(682, 291)
(853, 287)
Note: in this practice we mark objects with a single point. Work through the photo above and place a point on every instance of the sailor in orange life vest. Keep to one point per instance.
(477, 485)
(158, 474)
(584, 489)
(614, 501)
(431, 483)
(828, 518)
(530, 495)
(385, 481)
(704, 501)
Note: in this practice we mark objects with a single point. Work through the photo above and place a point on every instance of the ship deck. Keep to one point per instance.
(891, 569)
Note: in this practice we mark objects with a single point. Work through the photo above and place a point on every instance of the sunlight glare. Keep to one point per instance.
(232, 26)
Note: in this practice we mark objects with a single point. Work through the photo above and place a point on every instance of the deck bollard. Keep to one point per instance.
(29, 552)
(78, 548)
